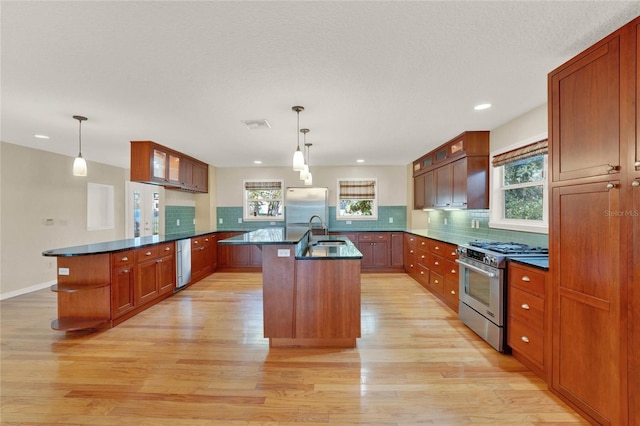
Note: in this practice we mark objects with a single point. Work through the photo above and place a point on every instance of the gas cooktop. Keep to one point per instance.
(509, 248)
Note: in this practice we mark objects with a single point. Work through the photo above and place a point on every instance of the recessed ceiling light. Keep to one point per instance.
(257, 162)
(360, 161)
(256, 124)
(41, 136)
(481, 107)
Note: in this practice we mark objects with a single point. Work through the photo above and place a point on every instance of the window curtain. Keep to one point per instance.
(357, 189)
(527, 151)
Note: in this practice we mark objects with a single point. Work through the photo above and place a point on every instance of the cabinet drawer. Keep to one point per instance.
(527, 279)
(411, 240)
(423, 257)
(373, 236)
(526, 307)
(437, 265)
(436, 282)
(423, 243)
(122, 258)
(440, 248)
(449, 253)
(422, 274)
(166, 249)
(145, 253)
(450, 293)
(200, 242)
(526, 340)
(451, 270)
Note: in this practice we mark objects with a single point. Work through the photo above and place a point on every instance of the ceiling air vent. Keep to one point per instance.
(256, 124)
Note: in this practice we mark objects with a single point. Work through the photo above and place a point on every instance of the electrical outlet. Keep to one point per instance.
(194, 220)
(390, 220)
(220, 221)
(284, 253)
(177, 222)
(63, 271)
(348, 222)
(272, 223)
(445, 220)
(239, 220)
(473, 223)
(428, 219)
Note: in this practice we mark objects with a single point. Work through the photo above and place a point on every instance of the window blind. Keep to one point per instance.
(257, 186)
(357, 189)
(527, 151)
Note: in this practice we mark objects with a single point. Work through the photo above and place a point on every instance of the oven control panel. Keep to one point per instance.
(487, 259)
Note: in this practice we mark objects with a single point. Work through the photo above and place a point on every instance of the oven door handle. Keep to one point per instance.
(476, 269)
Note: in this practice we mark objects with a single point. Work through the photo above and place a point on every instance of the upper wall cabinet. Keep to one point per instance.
(455, 175)
(159, 165)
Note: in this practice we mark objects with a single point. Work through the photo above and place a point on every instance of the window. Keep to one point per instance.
(357, 199)
(519, 197)
(263, 200)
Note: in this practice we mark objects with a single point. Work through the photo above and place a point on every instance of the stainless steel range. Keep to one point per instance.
(483, 285)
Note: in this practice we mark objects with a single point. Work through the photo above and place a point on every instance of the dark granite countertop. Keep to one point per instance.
(317, 251)
(265, 236)
(541, 262)
(120, 245)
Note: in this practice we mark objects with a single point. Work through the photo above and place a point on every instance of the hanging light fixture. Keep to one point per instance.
(298, 156)
(305, 171)
(309, 179)
(79, 164)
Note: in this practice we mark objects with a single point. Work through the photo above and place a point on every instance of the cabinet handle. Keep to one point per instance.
(124, 271)
(148, 253)
(421, 272)
(201, 248)
(525, 278)
(453, 271)
(195, 241)
(636, 164)
(206, 239)
(422, 257)
(436, 263)
(423, 243)
(611, 167)
(411, 265)
(453, 292)
(436, 281)
(453, 253)
(159, 260)
(524, 339)
(525, 306)
(124, 259)
(635, 184)
(380, 236)
(167, 248)
(436, 248)
(611, 185)
(411, 251)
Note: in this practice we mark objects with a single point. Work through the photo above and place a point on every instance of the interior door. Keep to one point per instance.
(144, 209)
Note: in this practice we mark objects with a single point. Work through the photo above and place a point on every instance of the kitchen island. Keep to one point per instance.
(311, 287)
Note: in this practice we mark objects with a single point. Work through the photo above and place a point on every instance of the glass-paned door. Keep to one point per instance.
(144, 209)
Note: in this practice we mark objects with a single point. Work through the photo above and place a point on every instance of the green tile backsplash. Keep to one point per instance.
(230, 215)
(184, 214)
(459, 222)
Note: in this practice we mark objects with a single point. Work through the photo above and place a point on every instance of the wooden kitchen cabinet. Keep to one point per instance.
(122, 283)
(458, 176)
(528, 332)
(155, 272)
(247, 258)
(157, 164)
(203, 256)
(593, 139)
(374, 247)
(397, 250)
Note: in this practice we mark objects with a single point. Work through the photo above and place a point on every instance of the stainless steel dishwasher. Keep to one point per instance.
(183, 263)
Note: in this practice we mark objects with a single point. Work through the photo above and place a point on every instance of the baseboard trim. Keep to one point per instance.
(26, 290)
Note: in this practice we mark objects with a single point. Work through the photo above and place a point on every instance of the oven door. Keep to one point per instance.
(482, 288)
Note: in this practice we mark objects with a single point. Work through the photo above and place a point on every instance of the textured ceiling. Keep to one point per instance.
(384, 81)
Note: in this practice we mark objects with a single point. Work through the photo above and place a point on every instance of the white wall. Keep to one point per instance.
(521, 128)
(391, 181)
(37, 185)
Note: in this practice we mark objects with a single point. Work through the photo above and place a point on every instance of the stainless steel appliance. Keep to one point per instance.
(301, 204)
(483, 289)
(183, 263)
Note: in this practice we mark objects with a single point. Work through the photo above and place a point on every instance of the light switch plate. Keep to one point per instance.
(63, 271)
(284, 252)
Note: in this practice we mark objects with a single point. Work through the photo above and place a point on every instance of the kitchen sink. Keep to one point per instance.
(329, 243)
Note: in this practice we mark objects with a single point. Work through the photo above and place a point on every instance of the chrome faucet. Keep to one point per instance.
(324, 228)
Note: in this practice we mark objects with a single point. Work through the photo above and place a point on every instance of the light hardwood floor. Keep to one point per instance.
(199, 358)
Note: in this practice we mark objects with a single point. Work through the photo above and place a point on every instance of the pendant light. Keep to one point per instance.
(309, 178)
(298, 156)
(79, 164)
(305, 171)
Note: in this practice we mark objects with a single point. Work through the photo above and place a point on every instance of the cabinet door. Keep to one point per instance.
(159, 165)
(166, 274)
(587, 306)
(366, 248)
(634, 302)
(146, 283)
(418, 192)
(200, 179)
(174, 169)
(381, 257)
(585, 118)
(429, 191)
(122, 291)
(442, 184)
(397, 250)
(459, 183)
(256, 256)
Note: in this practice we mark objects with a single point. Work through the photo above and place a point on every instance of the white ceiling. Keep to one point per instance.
(385, 81)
